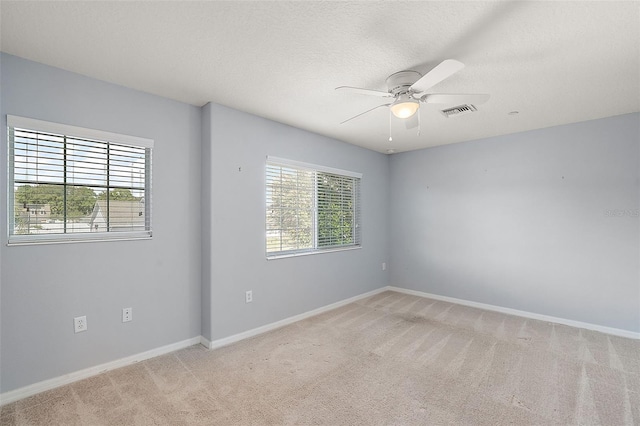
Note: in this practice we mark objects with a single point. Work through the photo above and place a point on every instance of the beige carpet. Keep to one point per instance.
(391, 359)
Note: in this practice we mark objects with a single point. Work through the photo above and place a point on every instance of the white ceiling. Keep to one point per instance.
(554, 62)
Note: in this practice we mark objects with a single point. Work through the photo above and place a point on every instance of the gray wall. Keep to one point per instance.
(208, 225)
(521, 221)
(236, 202)
(516, 221)
(44, 286)
(205, 202)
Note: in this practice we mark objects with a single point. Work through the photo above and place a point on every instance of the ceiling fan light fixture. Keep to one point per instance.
(404, 106)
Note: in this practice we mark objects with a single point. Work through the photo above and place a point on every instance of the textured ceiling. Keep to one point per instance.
(554, 62)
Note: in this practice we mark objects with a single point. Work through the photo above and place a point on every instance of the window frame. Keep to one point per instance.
(357, 208)
(80, 133)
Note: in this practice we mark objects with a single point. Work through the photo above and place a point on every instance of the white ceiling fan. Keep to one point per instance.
(408, 90)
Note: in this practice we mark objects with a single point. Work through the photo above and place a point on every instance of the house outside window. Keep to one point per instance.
(310, 208)
(69, 183)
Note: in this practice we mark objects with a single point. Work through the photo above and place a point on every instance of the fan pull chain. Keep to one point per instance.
(390, 138)
(418, 122)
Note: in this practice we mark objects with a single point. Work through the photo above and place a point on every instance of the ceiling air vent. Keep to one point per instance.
(459, 110)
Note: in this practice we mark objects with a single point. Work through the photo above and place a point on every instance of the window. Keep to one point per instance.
(310, 208)
(86, 184)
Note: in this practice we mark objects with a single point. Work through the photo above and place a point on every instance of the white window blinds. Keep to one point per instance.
(69, 183)
(310, 208)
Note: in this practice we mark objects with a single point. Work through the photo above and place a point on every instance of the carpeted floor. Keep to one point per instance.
(391, 359)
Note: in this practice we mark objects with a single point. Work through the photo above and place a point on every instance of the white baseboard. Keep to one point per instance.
(24, 392)
(204, 342)
(525, 314)
(15, 395)
(274, 325)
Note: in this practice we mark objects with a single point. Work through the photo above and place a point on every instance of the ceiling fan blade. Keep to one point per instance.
(411, 122)
(443, 70)
(455, 99)
(365, 91)
(363, 113)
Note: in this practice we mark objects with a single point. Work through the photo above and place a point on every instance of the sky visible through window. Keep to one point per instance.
(310, 210)
(77, 185)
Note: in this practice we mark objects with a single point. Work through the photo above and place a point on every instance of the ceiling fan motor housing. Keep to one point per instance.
(400, 82)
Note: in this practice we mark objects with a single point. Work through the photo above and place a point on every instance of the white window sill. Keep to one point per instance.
(308, 253)
(26, 240)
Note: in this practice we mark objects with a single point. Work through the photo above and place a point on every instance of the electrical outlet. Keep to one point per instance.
(248, 296)
(384, 266)
(127, 314)
(80, 324)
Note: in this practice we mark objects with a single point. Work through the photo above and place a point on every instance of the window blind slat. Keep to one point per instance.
(310, 208)
(77, 185)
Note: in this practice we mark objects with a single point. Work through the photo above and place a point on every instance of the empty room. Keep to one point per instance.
(319, 212)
